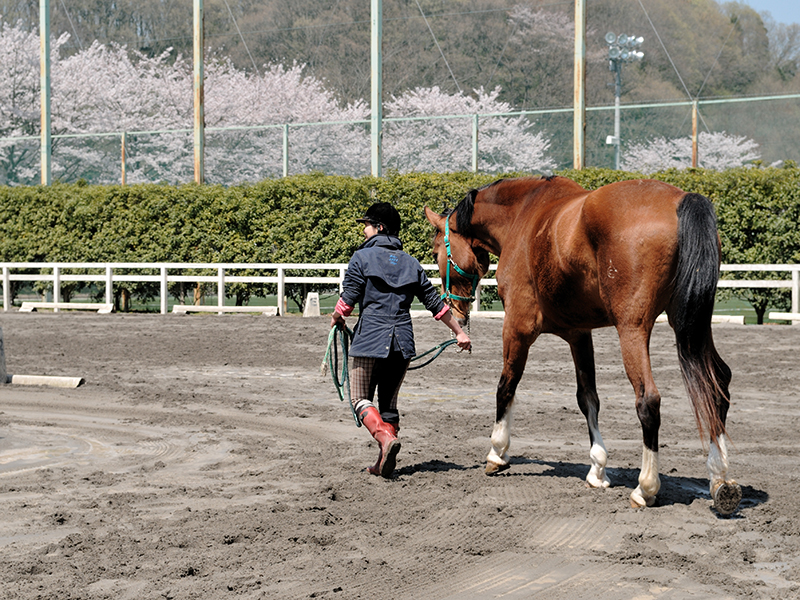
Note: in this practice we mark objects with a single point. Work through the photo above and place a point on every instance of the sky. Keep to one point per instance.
(783, 11)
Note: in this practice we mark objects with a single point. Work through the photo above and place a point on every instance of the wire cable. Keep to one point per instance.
(733, 26)
(241, 37)
(688, 93)
(435, 41)
(71, 24)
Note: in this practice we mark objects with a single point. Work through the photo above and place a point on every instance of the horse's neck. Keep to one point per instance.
(490, 223)
(493, 215)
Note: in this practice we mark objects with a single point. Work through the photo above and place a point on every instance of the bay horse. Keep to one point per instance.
(573, 260)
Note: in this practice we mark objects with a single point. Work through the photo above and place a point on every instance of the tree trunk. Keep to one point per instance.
(198, 294)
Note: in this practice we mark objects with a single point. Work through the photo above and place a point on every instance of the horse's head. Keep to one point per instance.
(462, 262)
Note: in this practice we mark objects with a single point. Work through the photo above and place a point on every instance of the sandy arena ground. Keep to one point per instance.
(207, 457)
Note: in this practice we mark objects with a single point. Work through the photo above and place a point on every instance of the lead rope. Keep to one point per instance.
(440, 347)
(339, 341)
(341, 377)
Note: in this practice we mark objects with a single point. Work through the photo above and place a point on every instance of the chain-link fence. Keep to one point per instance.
(122, 106)
(239, 154)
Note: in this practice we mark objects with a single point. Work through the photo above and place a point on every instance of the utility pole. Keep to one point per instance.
(199, 93)
(579, 101)
(376, 109)
(44, 90)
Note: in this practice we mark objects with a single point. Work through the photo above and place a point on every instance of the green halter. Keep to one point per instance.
(473, 277)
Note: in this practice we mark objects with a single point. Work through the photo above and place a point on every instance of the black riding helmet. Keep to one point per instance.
(383, 213)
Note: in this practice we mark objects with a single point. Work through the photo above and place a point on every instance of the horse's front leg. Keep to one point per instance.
(515, 355)
(583, 356)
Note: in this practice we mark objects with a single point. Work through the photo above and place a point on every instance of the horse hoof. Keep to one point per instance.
(727, 497)
(593, 481)
(494, 468)
(639, 501)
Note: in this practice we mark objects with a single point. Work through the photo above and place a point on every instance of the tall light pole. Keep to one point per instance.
(621, 49)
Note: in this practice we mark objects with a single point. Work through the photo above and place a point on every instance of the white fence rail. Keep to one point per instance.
(276, 273)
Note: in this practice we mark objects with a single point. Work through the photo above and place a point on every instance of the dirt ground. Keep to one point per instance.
(207, 457)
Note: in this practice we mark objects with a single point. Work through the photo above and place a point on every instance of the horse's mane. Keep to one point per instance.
(465, 209)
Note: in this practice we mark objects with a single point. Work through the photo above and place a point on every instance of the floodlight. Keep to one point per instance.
(624, 55)
(610, 37)
(638, 40)
(613, 53)
(622, 39)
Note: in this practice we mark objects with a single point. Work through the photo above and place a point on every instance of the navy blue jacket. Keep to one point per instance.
(384, 280)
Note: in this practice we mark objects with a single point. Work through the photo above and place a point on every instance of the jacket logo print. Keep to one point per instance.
(393, 259)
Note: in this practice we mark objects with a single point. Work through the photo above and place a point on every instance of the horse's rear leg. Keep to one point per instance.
(725, 493)
(634, 344)
(589, 403)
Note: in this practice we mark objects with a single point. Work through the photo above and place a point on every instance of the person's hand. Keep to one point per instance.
(463, 341)
(337, 320)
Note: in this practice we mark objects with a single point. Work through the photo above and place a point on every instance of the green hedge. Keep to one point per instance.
(310, 218)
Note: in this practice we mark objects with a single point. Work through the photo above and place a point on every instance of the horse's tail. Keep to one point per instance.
(705, 374)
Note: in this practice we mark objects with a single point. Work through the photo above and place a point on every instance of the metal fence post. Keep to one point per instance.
(285, 149)
(123, 143)
(475, 143)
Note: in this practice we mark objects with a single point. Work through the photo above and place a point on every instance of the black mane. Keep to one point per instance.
(464, 210)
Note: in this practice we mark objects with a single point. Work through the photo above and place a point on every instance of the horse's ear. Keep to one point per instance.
(434, 218)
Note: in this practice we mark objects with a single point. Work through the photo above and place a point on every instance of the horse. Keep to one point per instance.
(572, 260)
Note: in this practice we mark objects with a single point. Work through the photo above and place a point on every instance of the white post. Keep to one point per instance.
(796, 293)
(220, 288)
(164, 290)
(109, 285)
(3, 374)
(281, 289)
(6, 289)
(476, 304)
(56, 286)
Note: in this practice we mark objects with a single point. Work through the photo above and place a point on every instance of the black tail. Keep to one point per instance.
(705, 374)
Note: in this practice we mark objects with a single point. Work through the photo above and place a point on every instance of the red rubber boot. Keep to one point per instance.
(386, 436)
(376, 468)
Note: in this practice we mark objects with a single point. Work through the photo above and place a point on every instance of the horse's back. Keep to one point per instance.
(632, 205)
(633, 228)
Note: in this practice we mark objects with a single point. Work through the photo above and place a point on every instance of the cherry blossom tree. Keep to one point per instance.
(104, 90)
(717, 151)
(506, 143)
(19, 101)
